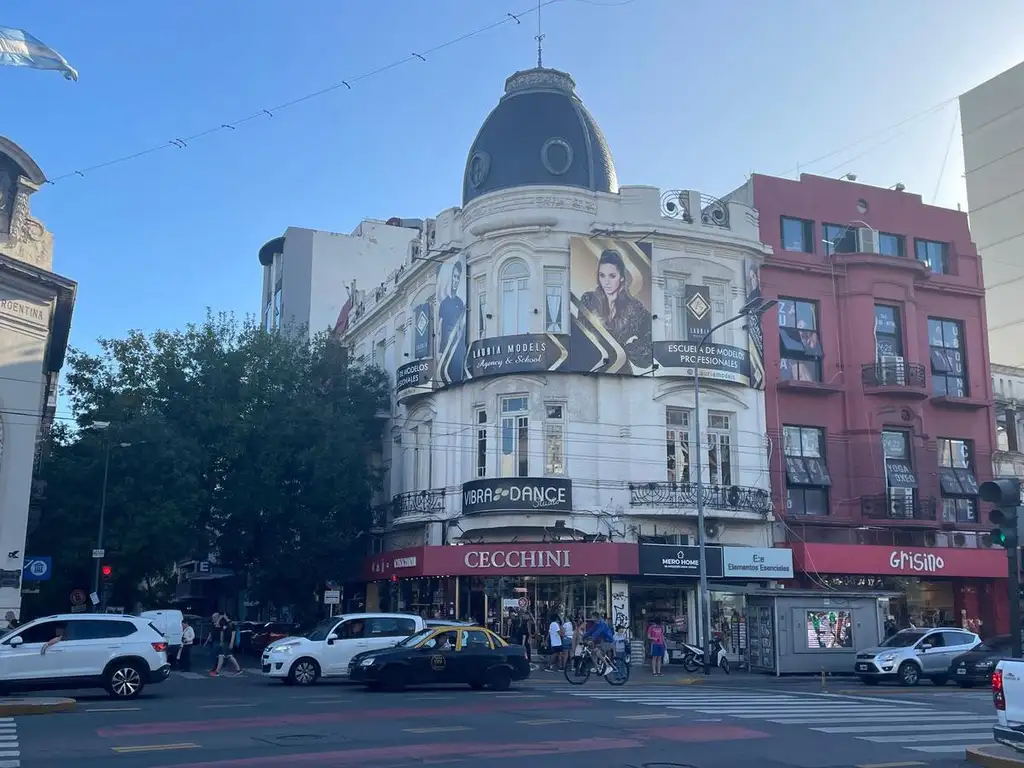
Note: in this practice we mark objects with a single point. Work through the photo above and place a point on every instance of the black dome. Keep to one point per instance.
(539, 134)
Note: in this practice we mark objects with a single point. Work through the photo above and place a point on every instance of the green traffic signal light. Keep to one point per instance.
(999, 537)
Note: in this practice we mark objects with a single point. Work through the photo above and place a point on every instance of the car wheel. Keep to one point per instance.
(869, 680)
(939, 680)
(499, 679)
(476, 685)
(124, 680)
(392, 679)
(908, 673)
(304, 672)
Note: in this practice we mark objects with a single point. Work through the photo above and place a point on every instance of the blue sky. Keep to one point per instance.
(689, 95)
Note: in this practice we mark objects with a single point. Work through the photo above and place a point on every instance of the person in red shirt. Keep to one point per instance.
(656, 634)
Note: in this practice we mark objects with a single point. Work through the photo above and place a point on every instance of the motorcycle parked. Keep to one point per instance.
(693, 658)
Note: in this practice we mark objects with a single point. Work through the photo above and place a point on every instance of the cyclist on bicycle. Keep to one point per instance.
(601, 637)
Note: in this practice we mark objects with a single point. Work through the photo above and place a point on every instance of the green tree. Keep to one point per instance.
(222, 438)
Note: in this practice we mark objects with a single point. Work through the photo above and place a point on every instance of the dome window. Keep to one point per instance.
(556, 154)
(479, 168)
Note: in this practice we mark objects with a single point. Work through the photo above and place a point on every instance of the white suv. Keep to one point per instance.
(326, 650)
(119, 653)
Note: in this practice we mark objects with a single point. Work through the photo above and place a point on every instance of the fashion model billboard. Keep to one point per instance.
(525, 353)
(755, 331)
(451, 315)
(610, 303)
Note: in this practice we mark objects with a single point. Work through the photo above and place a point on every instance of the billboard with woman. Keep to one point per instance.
(451, 314)
(610, 287)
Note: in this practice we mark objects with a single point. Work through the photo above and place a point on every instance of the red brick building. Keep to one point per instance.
(879, 396)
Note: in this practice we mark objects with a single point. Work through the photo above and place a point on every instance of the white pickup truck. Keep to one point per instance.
(1008, 697)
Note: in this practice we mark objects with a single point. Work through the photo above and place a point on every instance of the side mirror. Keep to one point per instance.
(926, 646)
(331, 638)
(15, 641)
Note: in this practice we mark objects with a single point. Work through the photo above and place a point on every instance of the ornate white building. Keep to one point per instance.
(541, 340)
(540, 202)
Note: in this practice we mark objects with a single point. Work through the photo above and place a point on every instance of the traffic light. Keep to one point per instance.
(106, 571)
(1006, 495)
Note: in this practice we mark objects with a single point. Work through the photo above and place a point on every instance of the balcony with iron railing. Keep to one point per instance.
(899, 509)
(735, 498)
(896, 377)
(414, 503)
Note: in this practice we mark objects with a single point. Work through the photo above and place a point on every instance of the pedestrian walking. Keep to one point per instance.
(188, 638)
(555, 644)
(224, 631)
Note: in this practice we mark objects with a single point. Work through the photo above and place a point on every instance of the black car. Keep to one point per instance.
(454, 654)
(976, 666)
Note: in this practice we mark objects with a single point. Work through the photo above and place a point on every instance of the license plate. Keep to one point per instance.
(862, 667)
(961, 671)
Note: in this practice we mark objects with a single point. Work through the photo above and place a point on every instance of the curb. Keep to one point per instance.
(994, 756)
(30, 706)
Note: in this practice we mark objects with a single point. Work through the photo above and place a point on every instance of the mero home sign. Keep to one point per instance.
(517, 494)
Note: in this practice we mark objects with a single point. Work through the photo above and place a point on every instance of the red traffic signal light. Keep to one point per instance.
(106, 570)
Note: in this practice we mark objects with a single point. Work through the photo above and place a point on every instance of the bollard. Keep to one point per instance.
(824, 680)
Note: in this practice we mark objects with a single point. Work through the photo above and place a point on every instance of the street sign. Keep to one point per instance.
(37, 568)
(523, 602)
(332, 597)
(78, 597)
(98, 553)
(94, 598)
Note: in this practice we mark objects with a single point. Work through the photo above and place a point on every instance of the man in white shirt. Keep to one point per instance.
(188, 637)
(555, 641)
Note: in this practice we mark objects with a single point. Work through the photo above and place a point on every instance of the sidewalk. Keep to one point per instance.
(676, 675)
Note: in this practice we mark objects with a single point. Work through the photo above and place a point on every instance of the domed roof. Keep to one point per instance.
(539, 134)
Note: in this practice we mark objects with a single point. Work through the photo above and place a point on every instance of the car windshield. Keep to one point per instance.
(902, 640)
(321, 630)
(412, 640)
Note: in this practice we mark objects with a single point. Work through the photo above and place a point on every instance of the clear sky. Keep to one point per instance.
(690, 95)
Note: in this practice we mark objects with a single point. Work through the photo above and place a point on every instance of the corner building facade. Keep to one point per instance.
(541, 340)
(880, 409)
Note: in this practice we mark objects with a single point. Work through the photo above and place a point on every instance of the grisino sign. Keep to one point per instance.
(517, 494)
(915, 562)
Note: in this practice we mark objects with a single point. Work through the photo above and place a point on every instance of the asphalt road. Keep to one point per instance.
(248, 722)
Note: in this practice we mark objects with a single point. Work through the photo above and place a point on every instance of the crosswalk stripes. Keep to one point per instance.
(10, 752)
(914, 725)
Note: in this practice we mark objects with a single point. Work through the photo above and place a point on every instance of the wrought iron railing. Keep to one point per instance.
(418, 503)
(893, 374)
(714, 212)
(731, 497)
(891, 507)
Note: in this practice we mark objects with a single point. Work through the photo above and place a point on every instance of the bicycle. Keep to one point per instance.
(578, 670)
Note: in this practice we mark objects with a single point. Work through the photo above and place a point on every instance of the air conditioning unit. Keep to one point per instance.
(959, 540)
(893, 370)
(901, 503)
(867, 240)
(712, 531)
(930, 539)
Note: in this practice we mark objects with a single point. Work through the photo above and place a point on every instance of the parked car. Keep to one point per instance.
(122, 654)
(469, 655)
(912, 654)
(976, 666)
(326, 650)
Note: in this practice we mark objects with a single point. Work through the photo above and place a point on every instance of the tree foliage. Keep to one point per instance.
(222, 438)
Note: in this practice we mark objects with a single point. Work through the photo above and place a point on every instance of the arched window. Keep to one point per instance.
(515, 298)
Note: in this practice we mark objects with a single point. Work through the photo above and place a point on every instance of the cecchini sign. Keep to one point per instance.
(917, 562)
(521, 558)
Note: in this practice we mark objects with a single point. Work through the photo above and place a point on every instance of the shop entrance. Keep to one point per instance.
(671, 605)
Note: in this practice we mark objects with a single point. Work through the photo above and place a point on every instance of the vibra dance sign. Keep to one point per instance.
(517, 494)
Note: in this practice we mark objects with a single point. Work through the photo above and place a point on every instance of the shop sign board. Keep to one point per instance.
(868, 560)
(517, 494)
(757, 563)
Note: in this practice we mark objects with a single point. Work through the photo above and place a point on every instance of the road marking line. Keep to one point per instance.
(647, 717)
(155, 748)
(115, 709)
(325, 700)
(11, 753)
(556, 721)
(890, 765)
(227, 706)
(10, 763)
(430, 697)
(441, 729)
(518, 696)
(8, 736)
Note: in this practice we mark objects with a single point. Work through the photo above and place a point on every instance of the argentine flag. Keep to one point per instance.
(19, 49)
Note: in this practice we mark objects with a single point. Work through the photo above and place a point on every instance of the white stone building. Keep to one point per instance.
(541, 340)
(1008, 386)
(35, 319)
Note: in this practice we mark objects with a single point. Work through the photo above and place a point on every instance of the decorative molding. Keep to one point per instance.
(568, 202)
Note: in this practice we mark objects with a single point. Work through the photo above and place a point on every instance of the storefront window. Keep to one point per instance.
(666, 603)
(828, 629)
(728, 622)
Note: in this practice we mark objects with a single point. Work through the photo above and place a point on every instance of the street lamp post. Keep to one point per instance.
(103, 513)
(753, 309)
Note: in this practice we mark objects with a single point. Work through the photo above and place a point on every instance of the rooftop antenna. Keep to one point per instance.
(539, 39)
